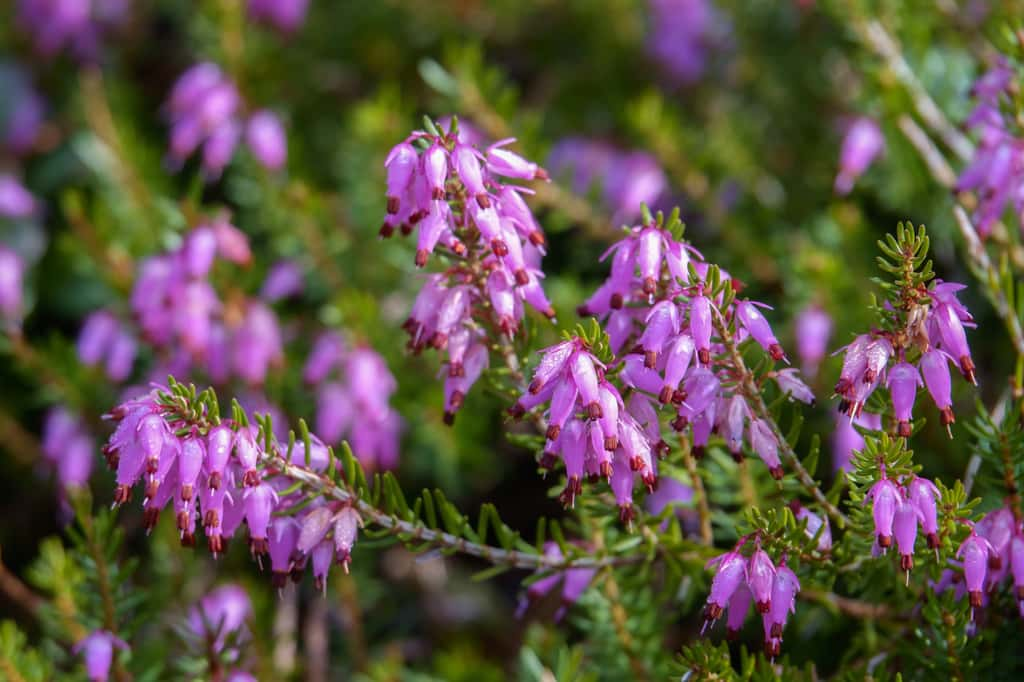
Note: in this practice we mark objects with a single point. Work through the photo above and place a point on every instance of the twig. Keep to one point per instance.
(103, 584)
(851, 607)
(745, 382)
(419, 532)
(930, 154)
(18, 592)
(620, 618)
(885, 46)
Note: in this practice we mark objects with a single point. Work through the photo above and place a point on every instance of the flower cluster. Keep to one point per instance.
(217, 627)
(68, 446)
(669, 326)
(935, 327)
(284, 15)
(77, 27)
(458, 196)
(861, 144)
(216, 475)
(740, 580)
(994, 174)
(682, 33)
(206, 110)
(898, 508)
(178, 309)
(626, 179)
(355, 405)
(590, 427)
(991, 553)
(105, 340)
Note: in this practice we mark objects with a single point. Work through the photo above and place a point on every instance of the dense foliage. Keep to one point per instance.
(543, 336)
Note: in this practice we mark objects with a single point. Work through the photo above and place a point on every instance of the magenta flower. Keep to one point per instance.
(731, 573)
(905, 530)
(975, 552)
(284, 15)
(284, 280)
(761, 574)
(12, 273)
(221, 613)
(24, 114)
(924, 495)
(846, 440)
(813, 329)
(903, 382)
(862, 143)
(885, 498)
(815, 524)
(739, 605)
(266, 137)
(757, 326)
(77, 27)
(15, 199)
(935, 370)
(1017, 564)
(97, 650)
(783, 600)
(683, 32)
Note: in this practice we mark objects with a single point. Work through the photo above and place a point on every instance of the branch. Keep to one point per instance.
(699, 493)
(930, 154)
(18, 592)
(874, 35)
(745, 382)
(846, 605)
(410, 531)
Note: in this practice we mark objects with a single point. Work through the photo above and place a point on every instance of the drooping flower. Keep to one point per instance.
(975, 552)
(284, 15)
(813, 329)
(683, 32)
(97, 650)
(885, 497)
(862, 143)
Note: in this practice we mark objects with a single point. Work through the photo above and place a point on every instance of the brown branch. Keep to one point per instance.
(748, 386)
(847, 605)
(18, 592)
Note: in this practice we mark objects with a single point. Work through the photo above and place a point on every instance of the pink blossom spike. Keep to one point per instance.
(904, 380)
(760, 579)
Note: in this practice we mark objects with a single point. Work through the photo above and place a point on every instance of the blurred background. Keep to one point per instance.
(734, 111)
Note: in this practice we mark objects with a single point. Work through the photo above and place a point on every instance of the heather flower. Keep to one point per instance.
(846, 439)
(265, 135)
(783, 601)
(924, 496)
(103, 339)
(935, 370)
(574, 582)
(97, 650)
(905, 530)
(15, 199)
(732, 571)
(862, 143)
(885, 498)
(284, 280)
(739, 605)
(761, 574)
(77, 27)
(284, 15)
(1017, 564)
(257, 344)
(757, 326)
(220, 614)
(789, 381)
(975, 552)
(12, 273)
(23, 114)
(68, 446)
(766, 445)
(205, 111)
(813, 329)
(816, 525)
(682, 33)
(627, 179)
(992, 174)
(903, 382)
